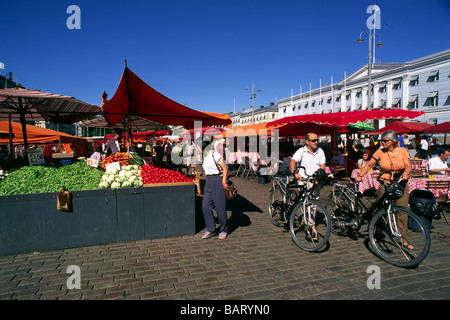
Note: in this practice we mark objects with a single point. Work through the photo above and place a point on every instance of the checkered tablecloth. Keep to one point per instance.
(414, 183)
(367, 181)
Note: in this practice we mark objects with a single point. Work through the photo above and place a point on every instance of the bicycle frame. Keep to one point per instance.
(369, 212)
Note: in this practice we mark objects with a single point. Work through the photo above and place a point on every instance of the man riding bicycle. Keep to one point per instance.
(312, 158)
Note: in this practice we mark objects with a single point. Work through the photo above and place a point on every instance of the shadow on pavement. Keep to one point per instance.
(238, 207)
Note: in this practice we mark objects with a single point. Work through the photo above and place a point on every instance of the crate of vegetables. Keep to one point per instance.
(157, 176)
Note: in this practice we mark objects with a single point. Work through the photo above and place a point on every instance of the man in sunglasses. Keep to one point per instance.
(311, 157)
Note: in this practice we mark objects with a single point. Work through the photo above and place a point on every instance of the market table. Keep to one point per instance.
(415, 183)
(368, 181)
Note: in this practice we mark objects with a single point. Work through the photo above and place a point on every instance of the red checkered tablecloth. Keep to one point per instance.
(367, 180)
(414, 183)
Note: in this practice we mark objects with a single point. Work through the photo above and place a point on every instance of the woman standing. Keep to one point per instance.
(394, 159)
(216, 172)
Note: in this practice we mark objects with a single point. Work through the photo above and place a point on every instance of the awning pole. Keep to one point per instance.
(10, 138)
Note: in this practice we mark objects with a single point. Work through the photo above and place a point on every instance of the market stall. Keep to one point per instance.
(68, 146)
(22, 105)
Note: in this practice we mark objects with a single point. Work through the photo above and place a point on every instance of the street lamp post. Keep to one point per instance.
(369, 67)
(253, 96)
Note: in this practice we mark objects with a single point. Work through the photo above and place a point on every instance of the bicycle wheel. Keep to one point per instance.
(277, 205)
(388, 245)
(310, 234)
(340, 209)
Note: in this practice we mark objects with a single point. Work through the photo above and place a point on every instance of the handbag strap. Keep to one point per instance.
(218, 167)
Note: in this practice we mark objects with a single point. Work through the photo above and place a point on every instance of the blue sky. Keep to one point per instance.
(204, 53)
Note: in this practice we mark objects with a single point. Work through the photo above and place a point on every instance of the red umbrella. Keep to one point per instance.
(443, 127)
(408, 127)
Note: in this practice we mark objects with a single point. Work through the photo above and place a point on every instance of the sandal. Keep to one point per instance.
(223, 235)
(314, 234)
(407, 245)
(207, 235)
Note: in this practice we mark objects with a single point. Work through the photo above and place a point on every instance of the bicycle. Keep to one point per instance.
(348, 213)
(307, 220)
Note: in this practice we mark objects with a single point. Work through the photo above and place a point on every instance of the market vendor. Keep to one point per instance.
(113, 144)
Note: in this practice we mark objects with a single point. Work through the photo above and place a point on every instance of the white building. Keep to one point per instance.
(422, 84)
(249, 116)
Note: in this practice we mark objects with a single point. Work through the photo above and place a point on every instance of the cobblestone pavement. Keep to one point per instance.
(258, 261)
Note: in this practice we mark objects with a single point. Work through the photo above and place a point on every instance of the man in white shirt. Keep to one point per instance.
(438, 165)
(311, 157)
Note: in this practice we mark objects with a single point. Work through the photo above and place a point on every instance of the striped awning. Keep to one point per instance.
(137, 123)
(37, 106)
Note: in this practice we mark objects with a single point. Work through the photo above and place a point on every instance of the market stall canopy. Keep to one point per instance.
(248, 130)
(210, 131)
(36, 135)
(443, 127)
(37, 106)
(408, 127)
(345, 118)
(144, 135)
(5, 134)
(220, 119)
(137, 123)
(135, 97)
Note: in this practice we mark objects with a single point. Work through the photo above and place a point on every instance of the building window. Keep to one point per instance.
(414, 81)
(414, 102)
(433, 76)
(382, 89)
(434, 99)
(397, 85)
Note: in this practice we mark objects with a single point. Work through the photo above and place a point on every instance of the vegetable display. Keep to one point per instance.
(123, 158)
(154, 174)
(126, 177)
(45, 178)
(133, 173)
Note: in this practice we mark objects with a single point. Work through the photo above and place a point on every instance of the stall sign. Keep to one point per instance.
(92, 162)
(112, 167)
(35, 156)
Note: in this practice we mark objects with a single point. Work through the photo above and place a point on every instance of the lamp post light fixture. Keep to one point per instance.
(253, 97)
(369, 67)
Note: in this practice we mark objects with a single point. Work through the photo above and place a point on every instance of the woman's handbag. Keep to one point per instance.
(231, 193)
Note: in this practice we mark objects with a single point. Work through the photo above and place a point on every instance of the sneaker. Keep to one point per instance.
(223, 235)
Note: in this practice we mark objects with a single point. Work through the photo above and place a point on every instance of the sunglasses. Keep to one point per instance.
(314, 140)
(385, 140)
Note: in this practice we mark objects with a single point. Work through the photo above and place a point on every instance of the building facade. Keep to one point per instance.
(422, 84)
(249, 116)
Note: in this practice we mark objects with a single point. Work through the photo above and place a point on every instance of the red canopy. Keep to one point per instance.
(135, 97)
(345, 118)
(443, 127)
(400, 126)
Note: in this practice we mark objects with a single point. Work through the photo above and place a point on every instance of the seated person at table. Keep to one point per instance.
(337, 163)
(364, 160)
(338, 159)
(438, 164)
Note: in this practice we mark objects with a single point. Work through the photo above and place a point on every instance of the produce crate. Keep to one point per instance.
(31, 222)
(63, 155)
(169, 184)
